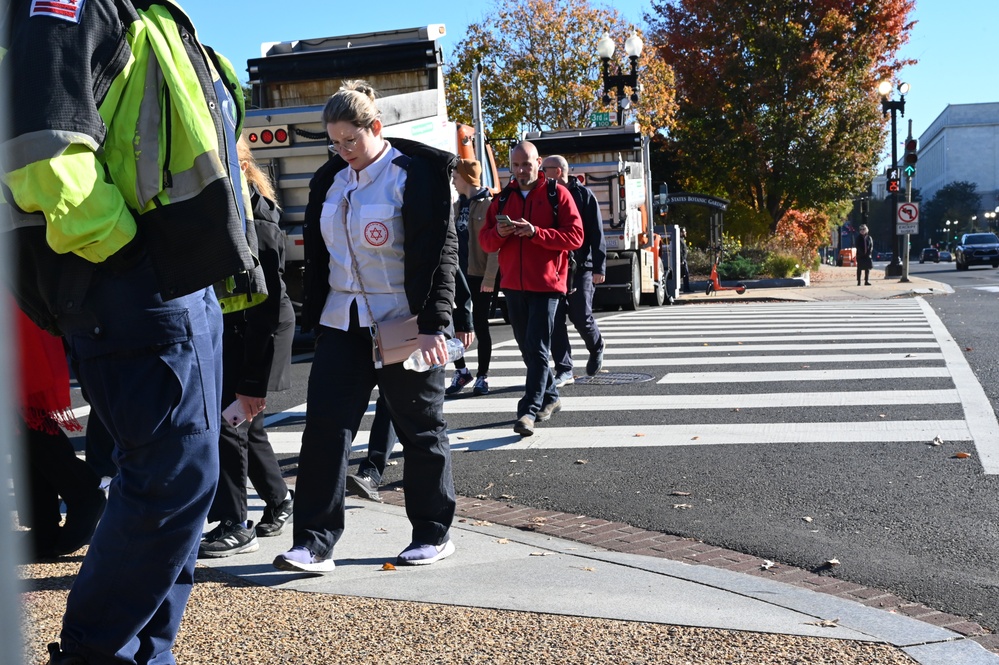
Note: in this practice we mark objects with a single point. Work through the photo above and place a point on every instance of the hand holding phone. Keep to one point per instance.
(233, 414)
(504, 219)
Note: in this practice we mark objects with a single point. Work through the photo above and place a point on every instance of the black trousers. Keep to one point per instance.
(481, 304)
(578, 306)
(245, 452)
(340, 384)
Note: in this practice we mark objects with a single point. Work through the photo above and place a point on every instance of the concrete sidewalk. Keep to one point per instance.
(502, 568)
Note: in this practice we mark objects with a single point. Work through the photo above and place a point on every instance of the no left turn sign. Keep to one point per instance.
(907, 218)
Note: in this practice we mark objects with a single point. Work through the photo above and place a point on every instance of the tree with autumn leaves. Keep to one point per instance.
(541, 69)
(776, 99)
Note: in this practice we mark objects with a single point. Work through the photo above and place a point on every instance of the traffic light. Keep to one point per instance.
(893, 185)
(910, 157)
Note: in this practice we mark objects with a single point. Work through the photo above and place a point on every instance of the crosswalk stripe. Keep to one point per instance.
(647, 362)
(727, 401)
(759, 329)
(550, 436)
(729, 348)
(833, 338)
(859, 374)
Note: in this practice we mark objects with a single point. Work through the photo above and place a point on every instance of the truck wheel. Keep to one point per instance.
(658, 295)
(636, 286)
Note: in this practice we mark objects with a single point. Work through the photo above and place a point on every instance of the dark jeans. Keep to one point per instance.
(340, 384)
(153, 372)
(381, 440)
(100, 447)
(579, 308)
(245, 452)
(481, 304)
(531, 317)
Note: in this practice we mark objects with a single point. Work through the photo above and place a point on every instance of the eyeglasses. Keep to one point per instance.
(346, 146)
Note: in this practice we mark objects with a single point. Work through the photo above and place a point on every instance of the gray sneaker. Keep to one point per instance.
(548, 411)
(564, 379)
(228, 538)
(524, 426)
(364, 487)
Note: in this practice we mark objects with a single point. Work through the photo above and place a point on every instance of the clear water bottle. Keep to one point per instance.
(415, 362)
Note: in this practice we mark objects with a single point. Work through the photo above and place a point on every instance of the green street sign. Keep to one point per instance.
(600, 118)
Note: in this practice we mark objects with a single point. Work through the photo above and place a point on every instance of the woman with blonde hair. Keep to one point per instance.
(380, 244)
(256, 359)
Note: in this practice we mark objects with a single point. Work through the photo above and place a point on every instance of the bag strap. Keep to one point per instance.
(357, 274)
(552, 199)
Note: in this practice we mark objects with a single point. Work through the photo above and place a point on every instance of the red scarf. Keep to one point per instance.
(44, 386)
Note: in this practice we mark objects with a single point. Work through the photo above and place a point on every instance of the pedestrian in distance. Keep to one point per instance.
(379, 244)
(865, 254)
(591, 262)
(256, 360)
(124, 218)
(684, 270)
(533, 224)
(479, 269)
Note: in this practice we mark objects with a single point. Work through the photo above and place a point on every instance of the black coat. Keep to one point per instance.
(430, 244)
(256, 344)
(865, 252)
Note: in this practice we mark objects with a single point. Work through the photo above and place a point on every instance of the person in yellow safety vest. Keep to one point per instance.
(120, 171)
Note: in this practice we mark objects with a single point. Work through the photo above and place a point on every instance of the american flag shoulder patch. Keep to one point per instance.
(67, 10)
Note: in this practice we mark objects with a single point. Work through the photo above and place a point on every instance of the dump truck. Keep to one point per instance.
(290, 83)
(614, 163)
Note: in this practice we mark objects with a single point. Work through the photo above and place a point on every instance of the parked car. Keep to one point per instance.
(929, 254)
(945, 256)
(977, 249)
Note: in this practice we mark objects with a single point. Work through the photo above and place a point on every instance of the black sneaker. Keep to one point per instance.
(274, 519)
(228, 538)
(59, 657)
(363, 486)
(595, 362)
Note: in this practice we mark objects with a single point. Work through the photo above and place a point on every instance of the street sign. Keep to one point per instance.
(600, 118)
(907, 218)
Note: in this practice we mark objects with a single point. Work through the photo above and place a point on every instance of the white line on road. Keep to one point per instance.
(753, 360)
(630, 350)
(978, 410)
(859, 374)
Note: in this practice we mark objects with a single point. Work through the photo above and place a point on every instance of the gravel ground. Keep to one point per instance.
(229, 620)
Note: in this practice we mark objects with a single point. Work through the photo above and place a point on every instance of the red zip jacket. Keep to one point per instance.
(539, 263)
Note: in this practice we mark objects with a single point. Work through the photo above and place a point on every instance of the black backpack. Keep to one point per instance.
(553, 201)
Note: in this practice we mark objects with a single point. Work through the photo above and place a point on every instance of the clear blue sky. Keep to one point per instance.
(955, 41)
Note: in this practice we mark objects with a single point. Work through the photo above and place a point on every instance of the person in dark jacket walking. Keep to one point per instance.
(865, 255)
(591, 261)
(380, 244)
(256, 359)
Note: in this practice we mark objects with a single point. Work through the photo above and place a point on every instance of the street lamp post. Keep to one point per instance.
(618, 82)
(894, 269)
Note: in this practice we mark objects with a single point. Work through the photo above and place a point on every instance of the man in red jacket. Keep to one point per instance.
(539, 225)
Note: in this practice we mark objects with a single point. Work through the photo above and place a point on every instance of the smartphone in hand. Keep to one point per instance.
(233, 414)
(504, 220)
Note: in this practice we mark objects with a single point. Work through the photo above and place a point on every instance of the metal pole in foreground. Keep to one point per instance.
(908, 199)
(893, 269)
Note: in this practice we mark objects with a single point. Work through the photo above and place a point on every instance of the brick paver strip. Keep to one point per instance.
(620, 537)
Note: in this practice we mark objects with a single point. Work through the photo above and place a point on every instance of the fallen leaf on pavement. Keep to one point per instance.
(881, 415)
(540, 554)
(639, 434)
(967, 348)
(589, 570)
(937, 441)
(381, 529)
(679, 493)
(682, 506)
(481, 523)
(825, 623)
(807, 519)
(832, 562)
(507, 496)
(481, 496)
(503, 541)
(694, 438)
(539, 519)
(962, 455)
(767, 565)
(582, 461)
(513, 461)
(387, 566)
(737, 410)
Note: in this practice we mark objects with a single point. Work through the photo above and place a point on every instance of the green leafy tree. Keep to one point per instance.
(777, 103)
(957, 202)
(541, 70)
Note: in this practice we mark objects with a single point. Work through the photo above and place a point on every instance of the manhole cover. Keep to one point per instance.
(614, 379)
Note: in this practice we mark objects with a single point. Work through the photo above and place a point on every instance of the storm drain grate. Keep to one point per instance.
(614, 379)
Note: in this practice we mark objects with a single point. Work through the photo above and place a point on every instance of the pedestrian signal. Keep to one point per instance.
(893, 186)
